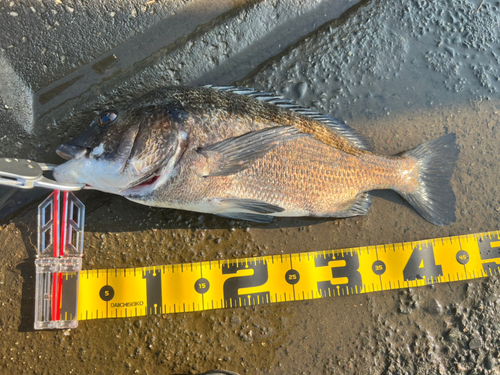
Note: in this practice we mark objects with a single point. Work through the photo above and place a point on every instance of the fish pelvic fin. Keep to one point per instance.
(244, 216)
(434, 198)
(246, 209)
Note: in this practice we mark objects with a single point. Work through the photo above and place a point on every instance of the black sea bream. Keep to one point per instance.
(248, 155)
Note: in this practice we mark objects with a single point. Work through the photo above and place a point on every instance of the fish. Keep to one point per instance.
(249, 155)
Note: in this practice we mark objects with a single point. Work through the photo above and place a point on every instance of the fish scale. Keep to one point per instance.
(306, 165)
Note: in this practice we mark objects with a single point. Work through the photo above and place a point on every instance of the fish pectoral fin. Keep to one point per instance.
(235, 154)
(357, 207)
(246, 209)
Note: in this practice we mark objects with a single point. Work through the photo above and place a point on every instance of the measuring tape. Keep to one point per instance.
(118, 293)
(129, 292)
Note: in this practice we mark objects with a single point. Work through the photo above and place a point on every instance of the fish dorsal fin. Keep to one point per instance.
(337, 126)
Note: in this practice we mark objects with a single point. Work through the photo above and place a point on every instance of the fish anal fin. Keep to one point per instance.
(357, 207)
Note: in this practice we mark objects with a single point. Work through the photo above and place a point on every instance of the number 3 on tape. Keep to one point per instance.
(348, 271)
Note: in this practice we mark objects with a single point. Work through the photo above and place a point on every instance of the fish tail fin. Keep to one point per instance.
(433, 198)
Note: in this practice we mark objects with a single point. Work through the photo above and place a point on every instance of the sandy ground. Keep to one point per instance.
(400, 72)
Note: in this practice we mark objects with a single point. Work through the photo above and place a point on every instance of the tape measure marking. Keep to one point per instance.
(287, 277)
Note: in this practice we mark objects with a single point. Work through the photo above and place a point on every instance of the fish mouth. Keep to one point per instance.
(151, 180)
(145, 180)
(88, 162)
(69, 152)
(143, 184)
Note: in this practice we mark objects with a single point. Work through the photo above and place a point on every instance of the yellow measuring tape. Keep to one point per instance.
(115, 293)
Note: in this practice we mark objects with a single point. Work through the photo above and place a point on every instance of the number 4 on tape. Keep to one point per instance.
(59, 260)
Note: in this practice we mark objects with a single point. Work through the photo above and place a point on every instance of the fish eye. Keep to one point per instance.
(107, 117)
